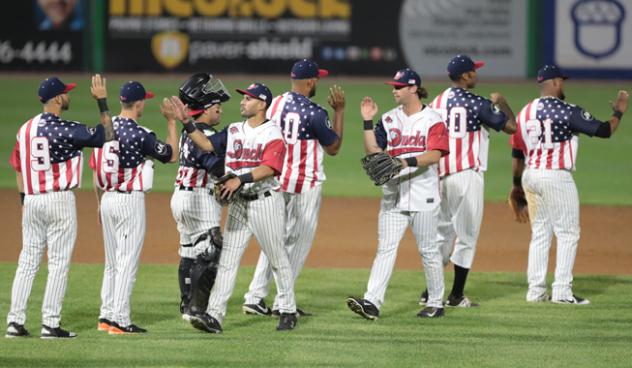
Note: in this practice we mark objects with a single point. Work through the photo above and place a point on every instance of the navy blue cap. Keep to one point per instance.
(134, 91)
(405, 77)
(259, 91)
(305, 69)
(550, 71)
(462, 64)
(53, 87)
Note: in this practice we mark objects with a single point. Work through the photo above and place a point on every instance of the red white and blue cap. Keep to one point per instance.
(305, 69)
(405, 77)
(259, 91)
(550, 71)
(462, 64)
(134, 91)
(53, 87)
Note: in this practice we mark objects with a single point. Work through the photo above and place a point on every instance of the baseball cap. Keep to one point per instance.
(259, 91)
(405, 77)
(550, 71)
(462, 64)
(305, 69)
(134, 91)
(52, 87)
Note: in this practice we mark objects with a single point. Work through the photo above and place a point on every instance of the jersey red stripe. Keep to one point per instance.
(470, 150)
(459, 164)
(55, 168)
(194, 174)
(69, 173)
(561, 158)
(275, 106)
(42, 181)
(289, 159)
(549, 158)
(27, 140)
(130, 183)
(301, 167)
(120, 178)
(315, 171)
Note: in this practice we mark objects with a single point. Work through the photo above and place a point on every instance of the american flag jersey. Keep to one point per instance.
(122, 164)
(465, 113)
(196, 166)
(306, 129)
(400, 135)
(48, 152)
(548, 133)
(244, 148)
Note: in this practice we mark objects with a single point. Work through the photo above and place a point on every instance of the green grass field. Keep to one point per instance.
(504, 332)
(604, 174)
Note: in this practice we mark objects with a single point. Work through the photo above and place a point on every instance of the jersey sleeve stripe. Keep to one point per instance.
(26, 162)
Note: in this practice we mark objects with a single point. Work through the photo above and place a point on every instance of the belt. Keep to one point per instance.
(254, 197)
(190, 189)
(123, 192)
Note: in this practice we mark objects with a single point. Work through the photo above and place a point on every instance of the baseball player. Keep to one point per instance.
(197, 213)
(544, 152)
(307, 133)
(253, 150)
(417, 135)
(469, 118)
(47, 158)
(122, 175)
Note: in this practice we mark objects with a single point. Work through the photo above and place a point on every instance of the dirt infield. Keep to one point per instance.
(347, 233)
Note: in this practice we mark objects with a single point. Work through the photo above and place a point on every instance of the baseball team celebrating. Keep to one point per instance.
(267, 168)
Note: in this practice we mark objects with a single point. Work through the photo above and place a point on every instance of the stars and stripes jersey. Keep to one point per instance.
(244, 148)
(48, 152)
(548, 131)
(306, 129)
(197, 168)
(122, 164)
(467, 115)
(402, 136)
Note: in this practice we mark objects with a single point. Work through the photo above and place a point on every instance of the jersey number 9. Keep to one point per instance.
(40, 153)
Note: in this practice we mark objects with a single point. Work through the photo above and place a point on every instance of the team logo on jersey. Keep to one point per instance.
(398, 139)
(241, 153)
(388, 120)
(90, 130)
(170, 48)
(496, 110)
(234, 130)
(586, 115)
(160, 148)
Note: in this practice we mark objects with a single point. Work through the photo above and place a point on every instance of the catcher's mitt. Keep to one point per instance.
(518, 204)
(219, 188)
(381, 167)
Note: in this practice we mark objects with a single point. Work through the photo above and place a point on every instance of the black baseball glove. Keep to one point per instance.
(381, 167)
(222, 199)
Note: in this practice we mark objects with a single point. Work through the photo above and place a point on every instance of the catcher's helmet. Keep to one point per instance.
(202, 90)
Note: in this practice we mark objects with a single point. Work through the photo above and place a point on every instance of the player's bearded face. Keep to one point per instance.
(248, 107)
(65, 102)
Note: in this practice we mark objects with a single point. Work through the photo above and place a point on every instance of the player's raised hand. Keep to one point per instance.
(336, 98)
(180, 109)
(168, 110)
(98, 87)
(621, 104)
(497, 98)
(368, 108)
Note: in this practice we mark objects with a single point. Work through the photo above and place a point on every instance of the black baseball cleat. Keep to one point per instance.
(299, 312)
(50, 333)
(460, 302)
(431, 312)
(206, 322)
(259, 309)
(363, 307)
(16, 330)
(287, 321)
(423, 298)
(116, 329)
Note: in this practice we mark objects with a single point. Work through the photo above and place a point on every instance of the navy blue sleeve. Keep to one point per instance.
(208, 160)
(583, 122)
(380, 135)
(321, 128)
(219, 141)
(491, 116)
(154, 148)
(83, 136)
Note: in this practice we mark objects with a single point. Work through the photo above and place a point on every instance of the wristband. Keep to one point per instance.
(103, 105)
(368, 125)
(517, 181)
(22, 198)
(189, 126)
(246, 178)
(618, 114)
(411, 161)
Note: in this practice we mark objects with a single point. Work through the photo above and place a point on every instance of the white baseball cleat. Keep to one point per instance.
(542, 298)
(573, 300)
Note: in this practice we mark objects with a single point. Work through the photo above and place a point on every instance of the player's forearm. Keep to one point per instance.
(517, 168)
(614, 123)
(198, 138)
(172, 140)
(339, 119)
(19, 182)
(105, 119)
(262, 172)
(370, 143)
(510, 127)
(424, 160)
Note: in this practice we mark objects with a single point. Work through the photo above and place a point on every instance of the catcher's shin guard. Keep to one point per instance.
(184, 279)
(203, 273)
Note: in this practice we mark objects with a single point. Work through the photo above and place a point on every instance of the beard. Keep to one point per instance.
(562, 96)
(312, 92)
(65, 105)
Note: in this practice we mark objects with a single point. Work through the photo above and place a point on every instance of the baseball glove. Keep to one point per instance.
(381, 167)
(219, 187)
(518, 204)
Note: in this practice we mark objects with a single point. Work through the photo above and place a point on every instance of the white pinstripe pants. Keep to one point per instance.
(265, 218)
(460, 217)
(48, 219)
(391, 227)
(553, 209)
(124, 225)
(195, 212)
(302, 210)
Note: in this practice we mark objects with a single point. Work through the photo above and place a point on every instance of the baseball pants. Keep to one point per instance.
(265, 218)
(48, 219)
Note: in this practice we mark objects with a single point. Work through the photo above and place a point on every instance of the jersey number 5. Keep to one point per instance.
(290, 127)
(540, 130)
(110, 157)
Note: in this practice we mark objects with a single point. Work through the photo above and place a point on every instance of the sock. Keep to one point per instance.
(460, 277)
